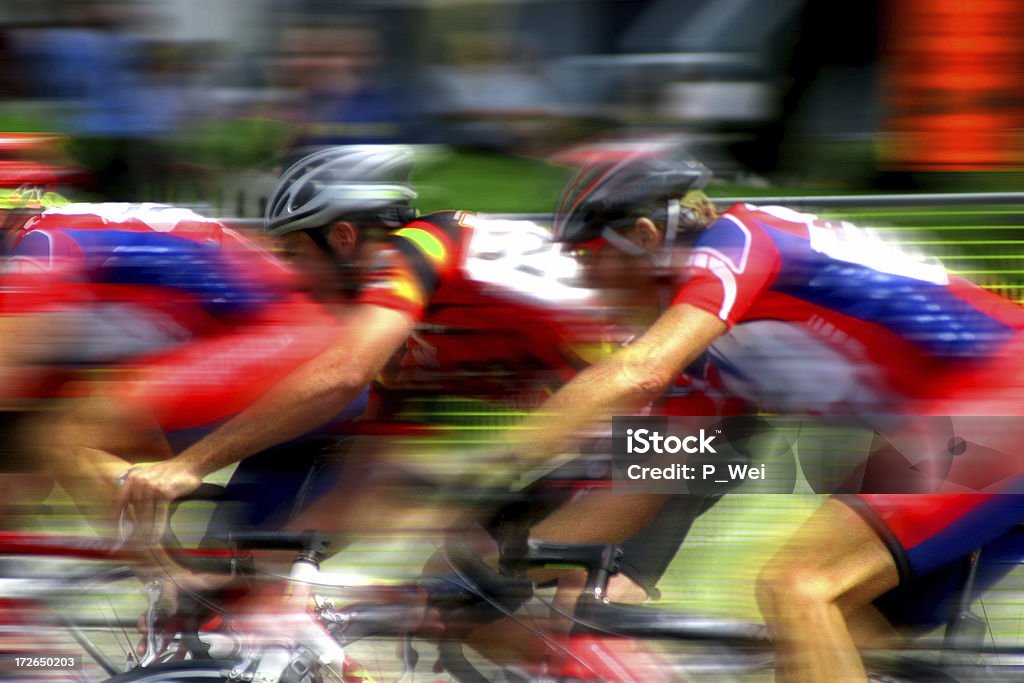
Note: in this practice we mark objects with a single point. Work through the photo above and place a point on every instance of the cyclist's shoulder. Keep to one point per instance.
(762, 219)
(458, 224)
(448, 225)
(127, 218)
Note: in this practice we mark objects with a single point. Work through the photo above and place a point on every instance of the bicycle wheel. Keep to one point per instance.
(195, 670)
(211, 670)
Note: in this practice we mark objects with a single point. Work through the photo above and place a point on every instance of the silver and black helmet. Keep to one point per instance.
(339, 182)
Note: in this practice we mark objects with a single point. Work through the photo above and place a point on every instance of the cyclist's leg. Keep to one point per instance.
(833, 567)
(264, 489)
(650, 528)
(591, 518)
(930, 537)
(900, 552)
(273, 487)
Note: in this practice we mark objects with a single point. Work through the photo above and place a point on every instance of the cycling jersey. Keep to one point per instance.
(493, 299)
(825, 316)
(202, 319)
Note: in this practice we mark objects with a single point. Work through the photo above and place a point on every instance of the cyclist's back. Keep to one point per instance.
(498, 316)
(824, 316)
(138, 278)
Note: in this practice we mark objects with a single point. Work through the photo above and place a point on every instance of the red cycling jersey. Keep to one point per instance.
(495, 308)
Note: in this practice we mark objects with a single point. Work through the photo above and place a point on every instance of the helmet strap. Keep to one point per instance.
(624, 244)
(663, 256)
(319, 238)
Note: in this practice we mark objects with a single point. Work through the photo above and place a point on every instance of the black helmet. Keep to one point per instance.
(608, 190)
(342, 181)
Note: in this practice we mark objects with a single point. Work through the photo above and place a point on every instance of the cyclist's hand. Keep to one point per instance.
(147, 490)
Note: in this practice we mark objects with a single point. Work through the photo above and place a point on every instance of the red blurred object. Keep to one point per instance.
(37, 159)
(952, 88)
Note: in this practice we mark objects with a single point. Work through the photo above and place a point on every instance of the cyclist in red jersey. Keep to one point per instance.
(323, 211)
(441, 278)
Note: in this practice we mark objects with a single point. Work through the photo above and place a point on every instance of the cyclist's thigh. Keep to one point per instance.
(929, 536)
(270, 488)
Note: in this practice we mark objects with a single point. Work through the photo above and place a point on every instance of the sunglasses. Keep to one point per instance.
(586, 253)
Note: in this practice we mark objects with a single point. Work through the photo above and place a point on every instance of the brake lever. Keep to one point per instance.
(125, 530)
(154, 591)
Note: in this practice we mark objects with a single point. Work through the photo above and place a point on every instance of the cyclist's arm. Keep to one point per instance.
(633, 376)
(311, 396)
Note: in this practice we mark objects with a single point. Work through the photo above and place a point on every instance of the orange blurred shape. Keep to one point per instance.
(953, 80)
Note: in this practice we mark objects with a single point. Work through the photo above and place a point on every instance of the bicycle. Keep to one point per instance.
(46, 595)
(589, 652)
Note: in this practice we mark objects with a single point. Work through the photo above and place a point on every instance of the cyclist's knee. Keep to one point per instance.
(788, 583)
(109, 426)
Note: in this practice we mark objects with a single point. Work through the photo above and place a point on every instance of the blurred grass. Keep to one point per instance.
(487, 182)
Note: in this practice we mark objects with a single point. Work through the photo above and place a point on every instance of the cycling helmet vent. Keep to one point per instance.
(340, 181)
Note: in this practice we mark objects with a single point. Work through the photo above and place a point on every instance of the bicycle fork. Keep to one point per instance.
(278, 659)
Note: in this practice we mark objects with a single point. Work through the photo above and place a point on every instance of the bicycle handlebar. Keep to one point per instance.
(313, 543)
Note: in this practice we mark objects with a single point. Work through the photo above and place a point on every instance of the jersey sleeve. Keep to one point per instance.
(43, 272)
(732, 263)
(416, 261)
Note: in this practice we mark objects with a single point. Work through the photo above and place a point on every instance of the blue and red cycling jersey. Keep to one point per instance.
(200, 319)
(828, 318)
(824, 316)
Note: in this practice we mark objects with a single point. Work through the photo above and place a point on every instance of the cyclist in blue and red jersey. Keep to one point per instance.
(188, 321)
(806, 316)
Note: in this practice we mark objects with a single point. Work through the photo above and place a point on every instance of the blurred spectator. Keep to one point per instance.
(123, 96)
(343, 95)
(91, 61)
(492, 91)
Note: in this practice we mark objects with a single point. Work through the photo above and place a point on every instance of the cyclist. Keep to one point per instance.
(21, 482)
(799, 315)
(468, 293)
(187, 320)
